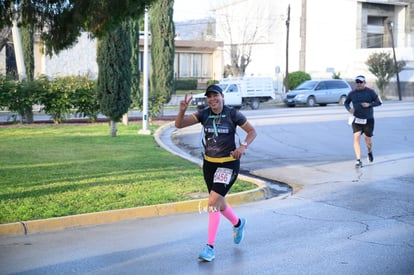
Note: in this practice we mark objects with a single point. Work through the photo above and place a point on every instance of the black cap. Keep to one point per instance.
(214, 88)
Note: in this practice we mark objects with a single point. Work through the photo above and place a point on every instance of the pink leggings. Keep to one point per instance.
(214, 221)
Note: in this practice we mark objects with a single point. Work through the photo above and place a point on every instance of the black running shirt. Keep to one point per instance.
(359, 96)
(219, 130)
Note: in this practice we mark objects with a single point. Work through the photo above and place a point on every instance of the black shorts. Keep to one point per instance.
(209, 169)
(366, 129)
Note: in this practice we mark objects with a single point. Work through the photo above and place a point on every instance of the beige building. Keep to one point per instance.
(202, 60)
(193, 59)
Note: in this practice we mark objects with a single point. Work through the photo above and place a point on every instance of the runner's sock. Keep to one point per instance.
(213, 224)
(230, 215)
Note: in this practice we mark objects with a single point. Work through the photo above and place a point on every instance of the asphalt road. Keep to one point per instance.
(339, 220)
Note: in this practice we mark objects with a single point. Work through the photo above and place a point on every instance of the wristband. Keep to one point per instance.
(244, 143)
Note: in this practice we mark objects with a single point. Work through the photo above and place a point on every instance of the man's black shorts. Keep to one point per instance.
(209, 168)
(366, 129)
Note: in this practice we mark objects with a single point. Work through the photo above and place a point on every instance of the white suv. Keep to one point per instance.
(321, 92)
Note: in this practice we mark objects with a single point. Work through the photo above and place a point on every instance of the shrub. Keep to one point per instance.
(85, 98)
(295, 78)
(6, 86)
(19, 97)
(66, 95)
(58, 97)
(186, 84)
(336, 75)
(211, 82)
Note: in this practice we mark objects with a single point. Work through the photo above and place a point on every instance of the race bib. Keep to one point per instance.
(223, 175)
(360, 120)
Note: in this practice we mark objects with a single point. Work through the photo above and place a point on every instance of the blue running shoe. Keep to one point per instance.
(207, 254)
(238, 232)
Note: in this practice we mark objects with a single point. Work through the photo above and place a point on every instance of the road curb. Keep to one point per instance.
(60, 223)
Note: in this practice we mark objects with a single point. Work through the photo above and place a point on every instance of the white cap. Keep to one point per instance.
(360, 78)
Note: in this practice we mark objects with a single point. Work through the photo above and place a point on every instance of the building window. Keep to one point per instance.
(206, 69)
(375, 31)
(374, 28)
(197, 65)
(193, 65)
(184, 65)
(375, 40)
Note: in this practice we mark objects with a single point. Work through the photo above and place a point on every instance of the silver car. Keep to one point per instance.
(321, 92)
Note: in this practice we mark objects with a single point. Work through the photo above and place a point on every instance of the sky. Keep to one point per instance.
(193, 9)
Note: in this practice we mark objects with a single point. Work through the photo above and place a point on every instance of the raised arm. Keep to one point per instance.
(183, 120)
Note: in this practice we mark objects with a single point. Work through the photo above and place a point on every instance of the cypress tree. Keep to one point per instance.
(27, 36)
(114, 79)
(27, 33)
(136, 95)
(162, 54)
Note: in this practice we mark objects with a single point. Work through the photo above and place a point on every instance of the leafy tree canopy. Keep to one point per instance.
(60, 22)
(383, 67)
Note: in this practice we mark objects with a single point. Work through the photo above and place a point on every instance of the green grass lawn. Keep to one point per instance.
(59, 170)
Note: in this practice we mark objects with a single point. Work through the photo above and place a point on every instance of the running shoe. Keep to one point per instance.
(358, 164)
(238, 232)
(370, 157)
(207, 254)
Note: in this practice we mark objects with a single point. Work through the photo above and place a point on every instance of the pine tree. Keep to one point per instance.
(162, 54)
(114, 79)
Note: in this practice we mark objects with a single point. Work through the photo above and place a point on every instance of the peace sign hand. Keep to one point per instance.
(184, 103)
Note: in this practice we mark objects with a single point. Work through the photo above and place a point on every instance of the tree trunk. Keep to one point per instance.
(28, 115)
(125, 120)
(18, 51)
(113, 128)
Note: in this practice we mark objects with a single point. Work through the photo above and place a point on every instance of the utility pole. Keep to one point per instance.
(390, 28)
(287, 52)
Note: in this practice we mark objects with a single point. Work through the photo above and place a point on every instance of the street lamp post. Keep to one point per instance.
(287, 51)
(144, 129)
(390, 28)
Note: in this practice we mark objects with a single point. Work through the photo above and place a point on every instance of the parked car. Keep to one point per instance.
(321, 92)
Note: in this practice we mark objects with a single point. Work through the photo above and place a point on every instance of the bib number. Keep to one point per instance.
(223, 175)
(360, 120)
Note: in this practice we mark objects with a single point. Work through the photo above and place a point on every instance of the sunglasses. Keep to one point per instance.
(359, 81)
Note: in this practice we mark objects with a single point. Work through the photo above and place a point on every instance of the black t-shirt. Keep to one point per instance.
(219, 130)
